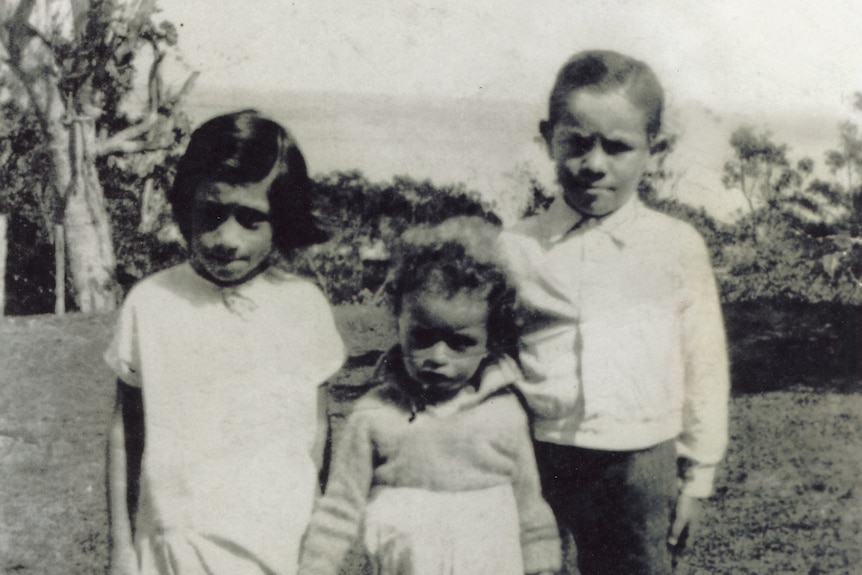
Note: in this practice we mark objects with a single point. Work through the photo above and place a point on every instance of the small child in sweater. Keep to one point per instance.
(435, 466)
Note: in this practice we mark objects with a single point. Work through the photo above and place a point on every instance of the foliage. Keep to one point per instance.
(24, 163)
(139, 251)
(798, 239)
(71, 66)
(849, 155)
(364, 218)
(137, 228)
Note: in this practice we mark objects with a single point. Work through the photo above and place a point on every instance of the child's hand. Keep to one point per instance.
(686, 517)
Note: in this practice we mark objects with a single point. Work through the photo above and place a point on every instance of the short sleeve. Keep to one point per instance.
(328, 347)
(123, 353)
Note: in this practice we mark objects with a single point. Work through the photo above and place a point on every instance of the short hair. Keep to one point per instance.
(458, 255)
(242, 148)
(605, 71)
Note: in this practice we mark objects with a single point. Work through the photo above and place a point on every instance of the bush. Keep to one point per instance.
(364, 219)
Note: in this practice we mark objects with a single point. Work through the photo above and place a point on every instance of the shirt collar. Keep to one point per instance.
(240, 299)
(560, 221)
(493, 375)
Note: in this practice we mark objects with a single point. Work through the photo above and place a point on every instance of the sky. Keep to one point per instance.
(727, 53)
(786, 64)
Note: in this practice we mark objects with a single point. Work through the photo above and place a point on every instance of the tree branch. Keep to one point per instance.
(186, 88)
(154, 85)
(124, 140)
(130, 147)
(128, 141)
(18, 30)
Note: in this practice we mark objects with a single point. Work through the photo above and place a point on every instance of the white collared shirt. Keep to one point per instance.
(624, 344)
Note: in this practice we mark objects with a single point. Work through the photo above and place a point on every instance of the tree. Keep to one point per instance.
(848, 157)
(777, 190)
(793, 240)
(75, 62)
(759, 167)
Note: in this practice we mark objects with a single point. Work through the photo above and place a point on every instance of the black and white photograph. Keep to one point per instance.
(430, 287)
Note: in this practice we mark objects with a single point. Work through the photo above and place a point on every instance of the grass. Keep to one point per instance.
(788, 499)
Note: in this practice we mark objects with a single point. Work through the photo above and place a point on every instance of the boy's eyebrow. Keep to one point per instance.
(613, 137)
(569, 122)
(463, 338)
(248, 210)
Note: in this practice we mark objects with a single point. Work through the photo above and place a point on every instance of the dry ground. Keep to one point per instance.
(788, 500)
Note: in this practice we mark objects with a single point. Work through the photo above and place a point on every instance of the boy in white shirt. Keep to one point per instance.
(624, 344)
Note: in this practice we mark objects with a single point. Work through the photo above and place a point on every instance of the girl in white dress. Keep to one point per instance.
(220, 360)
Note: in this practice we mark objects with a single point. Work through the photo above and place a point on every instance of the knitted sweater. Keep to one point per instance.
(476, 440)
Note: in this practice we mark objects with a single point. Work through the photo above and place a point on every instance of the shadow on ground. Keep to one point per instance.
(777, 345)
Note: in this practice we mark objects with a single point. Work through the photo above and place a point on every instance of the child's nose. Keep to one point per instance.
(438, 354)
(595, 160)
(229, 233)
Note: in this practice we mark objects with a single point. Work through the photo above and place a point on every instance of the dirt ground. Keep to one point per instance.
(788, 498)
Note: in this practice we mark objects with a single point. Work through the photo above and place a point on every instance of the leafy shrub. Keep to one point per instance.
(364, 219)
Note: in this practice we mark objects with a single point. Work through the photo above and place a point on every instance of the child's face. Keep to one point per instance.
(231, 236)
(444, 340)
(600, 148)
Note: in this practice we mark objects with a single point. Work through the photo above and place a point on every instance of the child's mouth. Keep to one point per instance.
(432, 378)
(437, 387)
(594, 190)
(225, 261)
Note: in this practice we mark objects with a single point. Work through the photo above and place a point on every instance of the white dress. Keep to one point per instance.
(411, 531)
(230, 381)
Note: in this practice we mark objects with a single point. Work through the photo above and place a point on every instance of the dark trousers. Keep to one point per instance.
(617, 505)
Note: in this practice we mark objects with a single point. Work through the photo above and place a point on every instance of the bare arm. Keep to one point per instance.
(320, 452)
(125, 449)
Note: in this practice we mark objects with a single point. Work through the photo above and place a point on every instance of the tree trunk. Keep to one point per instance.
(59, 270)
(88, 230)
(82, 211)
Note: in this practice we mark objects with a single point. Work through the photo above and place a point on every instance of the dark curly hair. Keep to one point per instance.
(458, 255)
(241, 148)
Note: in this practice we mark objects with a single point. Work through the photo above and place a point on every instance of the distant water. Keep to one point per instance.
(484, 144)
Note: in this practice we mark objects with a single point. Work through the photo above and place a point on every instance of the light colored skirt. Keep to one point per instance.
(178, 553)
(419, 532)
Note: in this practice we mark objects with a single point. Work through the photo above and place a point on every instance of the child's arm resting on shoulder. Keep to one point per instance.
(125, 449)
(549, 367)
(540, 536)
